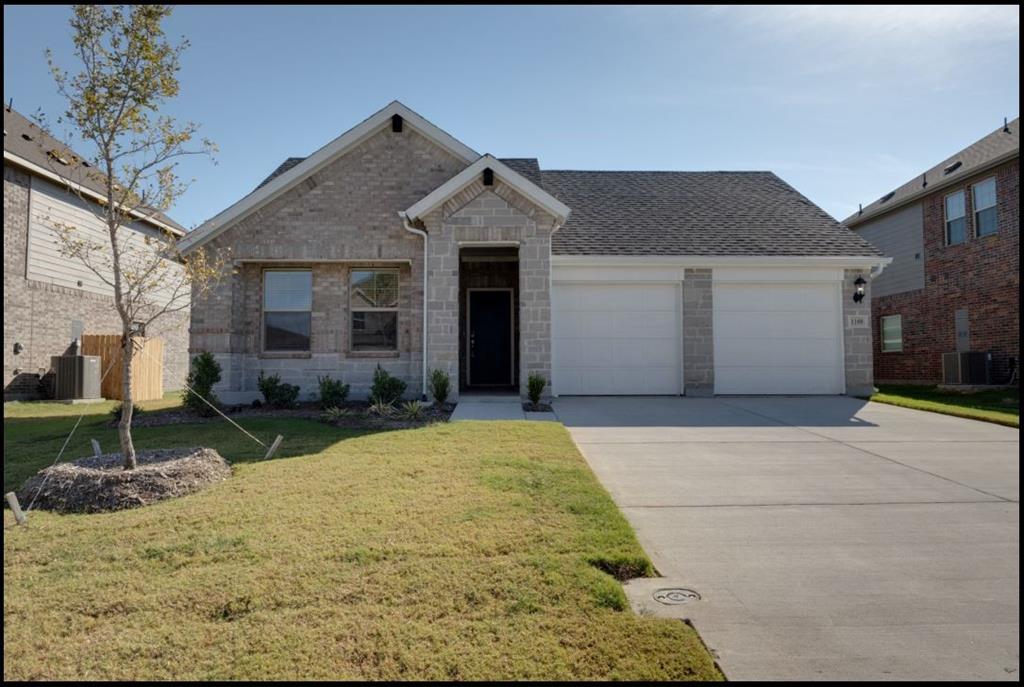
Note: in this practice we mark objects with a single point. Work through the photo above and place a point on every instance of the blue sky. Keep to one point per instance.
(843, 103)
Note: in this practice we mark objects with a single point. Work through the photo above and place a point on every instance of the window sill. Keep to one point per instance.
(285, 354)
(372, 354)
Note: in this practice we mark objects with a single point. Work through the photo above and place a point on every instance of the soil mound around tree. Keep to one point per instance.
(99, 483)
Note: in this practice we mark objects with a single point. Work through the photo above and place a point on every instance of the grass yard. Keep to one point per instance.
(455, 551)
(1001, 406)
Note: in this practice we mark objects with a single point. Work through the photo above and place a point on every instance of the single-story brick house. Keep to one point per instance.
(398, 245)
(50, 300)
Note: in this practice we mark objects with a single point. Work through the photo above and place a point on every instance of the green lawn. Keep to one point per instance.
(1001, 406)
(456, 551)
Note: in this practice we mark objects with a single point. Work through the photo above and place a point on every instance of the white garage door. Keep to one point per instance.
(777, 339)
(616, 339)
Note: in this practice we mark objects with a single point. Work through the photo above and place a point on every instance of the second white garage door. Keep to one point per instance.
(616, 339)
(777, 339)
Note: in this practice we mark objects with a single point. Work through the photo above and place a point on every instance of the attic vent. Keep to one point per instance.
(488, 176)
(396, 123)
(952, 168)
(54, 155)
(888, 196)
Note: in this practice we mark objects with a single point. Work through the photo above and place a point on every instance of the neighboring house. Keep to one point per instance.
(603, 282)
(49, 300)
(954, 284)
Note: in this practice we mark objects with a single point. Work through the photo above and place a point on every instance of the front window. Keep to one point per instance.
(956, 221)
(984, 193)
(373, 303)
(287, 309)
(892, 333)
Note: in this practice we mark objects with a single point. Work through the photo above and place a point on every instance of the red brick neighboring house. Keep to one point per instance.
(954, 284)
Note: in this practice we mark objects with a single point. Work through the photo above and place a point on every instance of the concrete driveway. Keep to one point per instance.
(829, 538)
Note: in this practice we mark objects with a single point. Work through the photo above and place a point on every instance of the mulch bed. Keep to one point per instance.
(537, 408)
(99, 483)
(356, 417)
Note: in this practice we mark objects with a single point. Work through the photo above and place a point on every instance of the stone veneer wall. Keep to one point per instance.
(39, 316)
(698, 339)
(860, 380)
(490, 214)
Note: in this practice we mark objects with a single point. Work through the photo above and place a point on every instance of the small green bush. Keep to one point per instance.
(535, 387)
(277, 394)
(411, 410)
(333, 392)
(332, 415)
(440, 386)
(116, 411)
(203, 373)
(381, 409)
(386, 388)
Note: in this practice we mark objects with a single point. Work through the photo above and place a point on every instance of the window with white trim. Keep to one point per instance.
(892, 333)
(984, 196)
(287, 310)
(956, 219)
(373, 304)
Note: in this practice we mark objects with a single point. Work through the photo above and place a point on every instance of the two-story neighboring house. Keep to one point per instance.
(50, 299)
(954, 283)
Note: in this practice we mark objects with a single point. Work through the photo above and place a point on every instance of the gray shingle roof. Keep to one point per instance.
(683, 213)
(693, 213)
(24, 138)
(994, 146)
(281, 169)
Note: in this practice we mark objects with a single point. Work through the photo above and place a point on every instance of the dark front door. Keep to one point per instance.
(490, 337)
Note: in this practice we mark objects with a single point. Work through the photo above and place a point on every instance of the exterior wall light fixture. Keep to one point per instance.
(858, 294)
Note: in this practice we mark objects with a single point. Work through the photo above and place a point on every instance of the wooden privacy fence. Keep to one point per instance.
(147, 365)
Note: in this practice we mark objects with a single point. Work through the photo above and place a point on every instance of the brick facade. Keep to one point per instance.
(698, 339)
(39, 316)
(982, 275)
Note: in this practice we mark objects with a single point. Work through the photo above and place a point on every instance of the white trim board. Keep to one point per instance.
(709, 261)
(467, 176)
(330, 152)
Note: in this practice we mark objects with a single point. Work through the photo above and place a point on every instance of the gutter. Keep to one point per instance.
(419, 232)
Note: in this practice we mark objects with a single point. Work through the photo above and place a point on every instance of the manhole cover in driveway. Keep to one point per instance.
(675, 596)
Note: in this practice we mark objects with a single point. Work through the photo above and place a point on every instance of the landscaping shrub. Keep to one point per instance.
(440, 386)
(116, 411)
(333, 392)
(278, 394)
(203, 373)
(331, 415)
(535, 387)
(381, 409)
(386, 388)
(411, 410)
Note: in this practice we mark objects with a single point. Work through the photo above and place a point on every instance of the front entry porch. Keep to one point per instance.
(489, 319)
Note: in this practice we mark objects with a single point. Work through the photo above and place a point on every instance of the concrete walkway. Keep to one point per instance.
(494, 407)
(829, 538)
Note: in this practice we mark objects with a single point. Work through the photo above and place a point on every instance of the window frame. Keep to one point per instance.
(353, 309)
(264, 310)
(993, 206)
(945, 214)
(881, 333)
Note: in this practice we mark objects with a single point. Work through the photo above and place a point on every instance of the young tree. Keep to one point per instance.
(128, 71)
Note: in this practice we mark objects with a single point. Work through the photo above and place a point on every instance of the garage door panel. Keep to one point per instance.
(772, 297)
(777, 338)
(781, 352)
(766, 325)
(616, 339)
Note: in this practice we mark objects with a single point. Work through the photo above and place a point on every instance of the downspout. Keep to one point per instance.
(420, 232)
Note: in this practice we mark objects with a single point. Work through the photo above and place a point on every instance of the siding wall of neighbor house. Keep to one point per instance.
(900, 236)
(342, 216)
(981, 275)
(40, 312)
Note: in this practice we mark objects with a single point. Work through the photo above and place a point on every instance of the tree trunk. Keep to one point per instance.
(124, 427)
